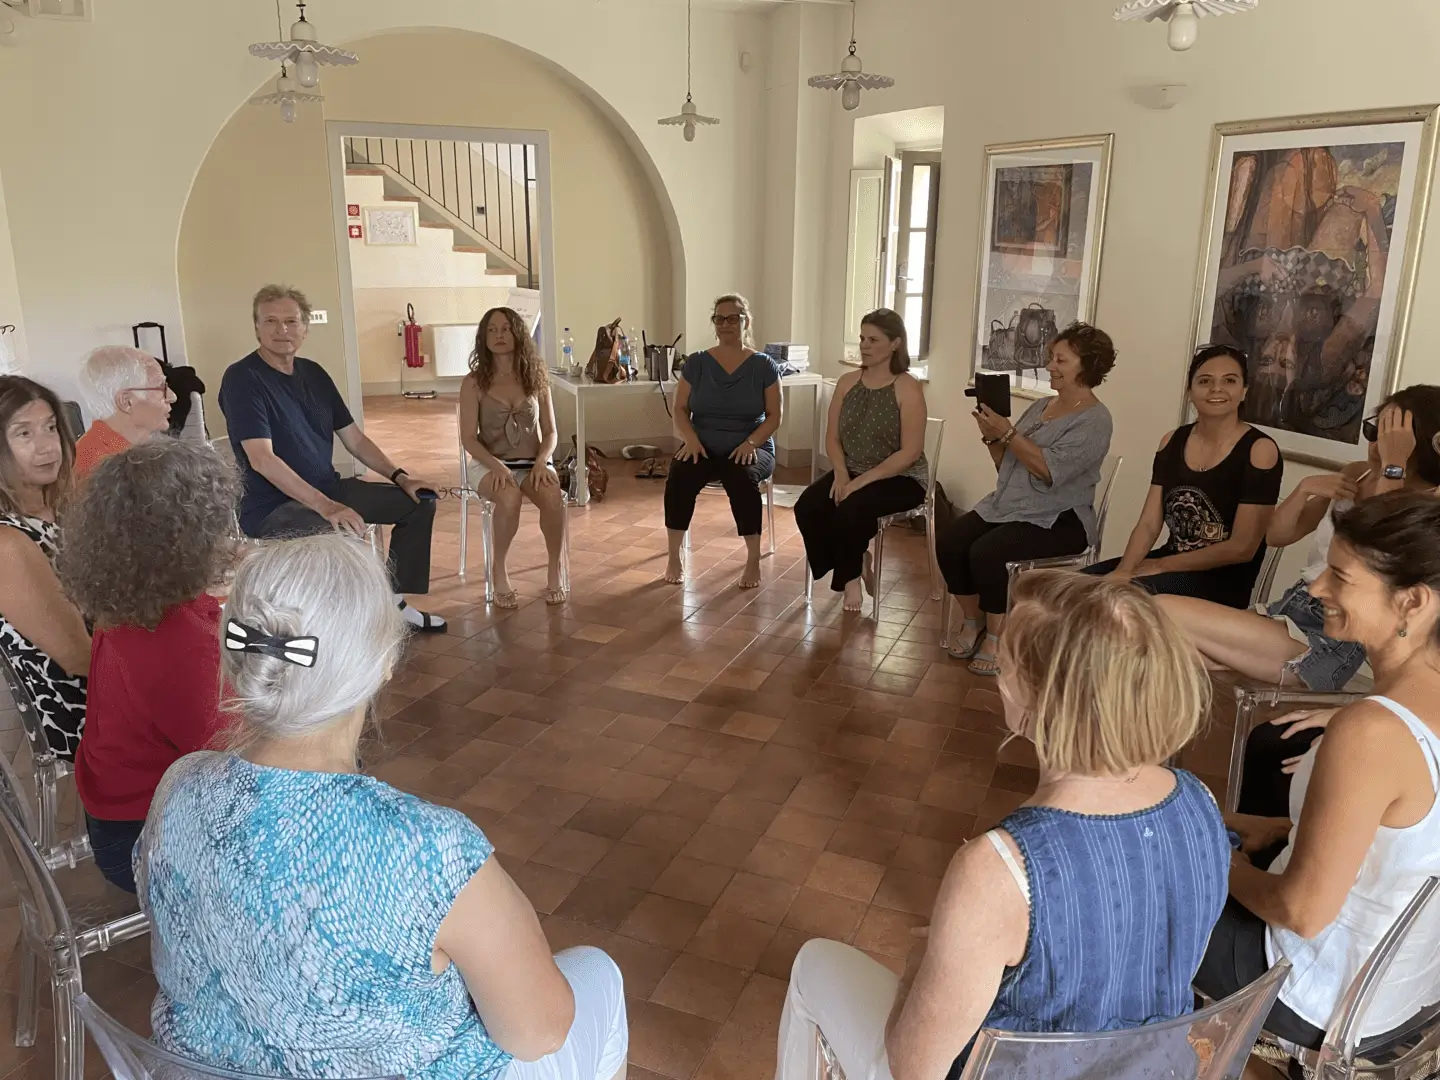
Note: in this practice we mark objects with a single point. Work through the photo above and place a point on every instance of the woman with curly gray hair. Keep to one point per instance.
(155, 654)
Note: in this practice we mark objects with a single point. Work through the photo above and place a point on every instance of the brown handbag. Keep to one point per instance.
(604, 365)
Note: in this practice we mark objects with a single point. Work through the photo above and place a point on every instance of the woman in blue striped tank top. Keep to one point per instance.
(1085, 910)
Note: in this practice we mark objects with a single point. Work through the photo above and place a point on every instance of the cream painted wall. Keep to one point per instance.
(10, 310)
(1078, 67)
(119, 113)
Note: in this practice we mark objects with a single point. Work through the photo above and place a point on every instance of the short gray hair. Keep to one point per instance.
(268, 294)
(333, 588)
(107, 372)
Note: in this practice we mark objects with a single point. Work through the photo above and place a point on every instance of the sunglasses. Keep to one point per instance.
(1370, 429)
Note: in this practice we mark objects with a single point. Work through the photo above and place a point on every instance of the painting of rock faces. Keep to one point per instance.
(1043, 220)
(1310, 271)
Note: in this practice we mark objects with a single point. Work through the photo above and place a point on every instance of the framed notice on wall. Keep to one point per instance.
(391, 226)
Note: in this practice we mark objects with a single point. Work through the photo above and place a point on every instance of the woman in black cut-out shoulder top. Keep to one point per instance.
(1214, 486)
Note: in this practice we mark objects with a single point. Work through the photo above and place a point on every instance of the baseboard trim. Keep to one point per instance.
(392, 389)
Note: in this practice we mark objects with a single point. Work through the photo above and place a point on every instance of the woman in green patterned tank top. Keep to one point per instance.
(875, 440)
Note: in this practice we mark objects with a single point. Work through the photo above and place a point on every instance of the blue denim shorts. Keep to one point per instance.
(1327, 664)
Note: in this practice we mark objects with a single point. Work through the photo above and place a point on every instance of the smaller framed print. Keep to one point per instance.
(391, 226)
(357, 232)
(352, 209)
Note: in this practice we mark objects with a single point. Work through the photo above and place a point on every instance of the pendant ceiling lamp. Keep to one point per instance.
(689, 116)
(302, 53)
(851, 77)
(1183, 15)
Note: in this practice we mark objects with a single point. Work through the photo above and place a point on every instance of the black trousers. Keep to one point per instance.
(1235, 958)
(1227, 585)
(742, 484)
(972, 553)
(113, 842)
(377, 504)
(836, 536)
(1264, 786)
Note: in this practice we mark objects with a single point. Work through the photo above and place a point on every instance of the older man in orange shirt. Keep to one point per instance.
(126, 393)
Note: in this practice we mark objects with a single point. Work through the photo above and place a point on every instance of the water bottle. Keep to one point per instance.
(567, 352)
(637, 354)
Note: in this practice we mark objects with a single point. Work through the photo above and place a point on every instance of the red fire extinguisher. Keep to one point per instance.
(414, 358)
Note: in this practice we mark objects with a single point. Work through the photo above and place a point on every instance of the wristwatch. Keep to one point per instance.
(1393, 472)
(397, 473)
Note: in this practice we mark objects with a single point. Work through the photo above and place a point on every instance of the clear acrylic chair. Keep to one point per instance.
(133, 1057)
(1408, 1051)
(47, 770)
(1061, 562)
(487, 531)
(61, 920)
(934, 440)
(767, 489)
(1210, 1044)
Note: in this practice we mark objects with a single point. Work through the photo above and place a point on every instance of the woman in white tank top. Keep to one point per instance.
(1363, 832)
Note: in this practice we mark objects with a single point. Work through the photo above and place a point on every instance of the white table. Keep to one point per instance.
(584, 390)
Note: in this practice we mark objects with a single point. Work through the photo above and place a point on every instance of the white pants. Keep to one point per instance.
(599, 1038)
(846, 995)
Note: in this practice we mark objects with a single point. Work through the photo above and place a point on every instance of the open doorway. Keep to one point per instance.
(435, 226)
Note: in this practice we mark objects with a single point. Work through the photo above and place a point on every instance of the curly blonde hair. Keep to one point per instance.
(1109, 681)
(528, 364)
(153, 527)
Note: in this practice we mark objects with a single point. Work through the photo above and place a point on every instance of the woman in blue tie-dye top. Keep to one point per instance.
(309, 921)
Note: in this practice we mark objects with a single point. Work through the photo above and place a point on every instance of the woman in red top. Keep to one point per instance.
(151, 536)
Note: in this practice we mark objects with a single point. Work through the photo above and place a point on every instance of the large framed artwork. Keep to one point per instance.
(1041, 226)
(1311, 241)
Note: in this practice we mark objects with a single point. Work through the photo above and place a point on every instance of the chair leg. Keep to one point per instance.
(28, 1012)
(809, 582)
(770, 505)
(487, 541)
(947, 612)
(464, 532)
(937, 584)
(46, 797)
(875, 574)
(69, 1034)
(565, 556)
(1247, 704)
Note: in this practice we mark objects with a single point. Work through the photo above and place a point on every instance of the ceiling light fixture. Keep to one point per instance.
(1183, 15)
(851, 77)
(305, 54)
(689, 116)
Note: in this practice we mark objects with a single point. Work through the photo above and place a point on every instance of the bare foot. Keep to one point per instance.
(674, 571)
(750, 576)
(854, 600)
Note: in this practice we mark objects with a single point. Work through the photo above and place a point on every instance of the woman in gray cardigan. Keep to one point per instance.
(1048, 465)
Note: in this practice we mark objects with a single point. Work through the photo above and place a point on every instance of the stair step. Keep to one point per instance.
(501, 271)
(471, 249)
(402, 198)
(364, 170)
(434, 225)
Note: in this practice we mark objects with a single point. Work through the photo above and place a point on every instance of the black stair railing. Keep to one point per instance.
(500, 207)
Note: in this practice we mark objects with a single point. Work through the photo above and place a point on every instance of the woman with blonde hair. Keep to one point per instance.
(310, 921)
(507, 426)
(727, 410)
(1085, 910)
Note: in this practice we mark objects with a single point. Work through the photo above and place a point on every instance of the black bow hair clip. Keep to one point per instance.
(242, 638)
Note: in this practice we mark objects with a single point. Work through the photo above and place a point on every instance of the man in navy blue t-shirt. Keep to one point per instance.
(284, 413)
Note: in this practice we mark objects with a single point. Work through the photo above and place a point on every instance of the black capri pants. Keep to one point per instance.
(742, 484)
(973, 553)
(836, 536)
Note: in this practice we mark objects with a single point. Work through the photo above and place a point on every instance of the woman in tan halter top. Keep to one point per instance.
(507, 426)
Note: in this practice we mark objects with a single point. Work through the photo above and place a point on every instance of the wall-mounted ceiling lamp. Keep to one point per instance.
(689, 116)
(1182, 15)
(851, 77)
(304, 54)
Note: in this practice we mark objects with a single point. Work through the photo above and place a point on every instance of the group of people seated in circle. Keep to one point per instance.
(311, 921)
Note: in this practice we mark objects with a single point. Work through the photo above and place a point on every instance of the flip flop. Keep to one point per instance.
(507, 600)
(555, 597)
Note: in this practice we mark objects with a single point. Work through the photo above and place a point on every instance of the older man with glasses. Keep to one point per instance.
(125, 392)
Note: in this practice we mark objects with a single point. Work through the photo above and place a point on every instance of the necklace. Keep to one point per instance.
(1045, 419)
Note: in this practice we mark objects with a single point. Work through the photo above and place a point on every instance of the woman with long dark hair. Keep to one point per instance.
(41, 632)
(875, 440)
(507, 426)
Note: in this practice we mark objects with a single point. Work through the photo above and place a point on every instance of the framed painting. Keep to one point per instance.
(391, 226)
(1042, 224)
(1310, 245)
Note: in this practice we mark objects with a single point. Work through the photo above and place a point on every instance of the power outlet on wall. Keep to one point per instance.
(318, 317)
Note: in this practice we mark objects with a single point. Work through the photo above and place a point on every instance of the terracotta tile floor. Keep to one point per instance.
(697, 780)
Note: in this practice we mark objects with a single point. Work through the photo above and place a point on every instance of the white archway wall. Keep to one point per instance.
(98, 166)
(612, 252)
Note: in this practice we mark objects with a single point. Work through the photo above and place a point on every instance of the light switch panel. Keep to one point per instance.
(317, 317)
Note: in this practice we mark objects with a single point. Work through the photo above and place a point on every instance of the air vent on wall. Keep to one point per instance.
(72, 10)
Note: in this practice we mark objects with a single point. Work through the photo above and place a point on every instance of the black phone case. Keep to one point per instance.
(994, 391)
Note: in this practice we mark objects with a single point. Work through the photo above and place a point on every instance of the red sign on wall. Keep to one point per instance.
(352, 209)
(357, 232)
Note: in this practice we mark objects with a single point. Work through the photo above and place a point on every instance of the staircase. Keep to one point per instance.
(483, 192)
